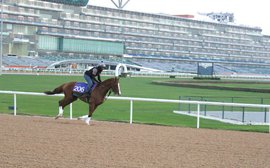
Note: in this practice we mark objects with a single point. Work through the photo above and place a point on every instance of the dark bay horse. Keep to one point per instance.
(97, 96)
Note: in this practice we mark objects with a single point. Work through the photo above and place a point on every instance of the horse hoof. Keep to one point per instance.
(87, 120)
(58, 117)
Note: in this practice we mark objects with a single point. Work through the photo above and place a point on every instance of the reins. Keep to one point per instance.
(110, 91)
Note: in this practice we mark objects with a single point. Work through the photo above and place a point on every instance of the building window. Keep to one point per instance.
(9, 26)
(76, 24)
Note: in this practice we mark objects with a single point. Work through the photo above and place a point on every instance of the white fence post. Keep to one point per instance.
(70, 111)
(198, 115)
(131, 111)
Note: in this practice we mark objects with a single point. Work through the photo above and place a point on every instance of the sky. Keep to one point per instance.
(247, 12)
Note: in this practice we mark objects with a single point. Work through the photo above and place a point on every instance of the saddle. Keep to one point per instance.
(80, 89)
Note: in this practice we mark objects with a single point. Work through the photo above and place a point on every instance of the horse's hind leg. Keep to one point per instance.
(60, 112)
(63, 103)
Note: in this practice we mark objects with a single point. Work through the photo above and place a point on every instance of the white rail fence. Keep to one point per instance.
(132, 99)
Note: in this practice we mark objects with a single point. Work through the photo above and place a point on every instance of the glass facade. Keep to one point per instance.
(51, 43)
(70, 2)
(48, 43)
(93, 46)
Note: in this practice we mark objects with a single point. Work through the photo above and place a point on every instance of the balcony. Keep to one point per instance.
(40, 5)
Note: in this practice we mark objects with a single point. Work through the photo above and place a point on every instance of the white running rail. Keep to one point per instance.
(132, 99)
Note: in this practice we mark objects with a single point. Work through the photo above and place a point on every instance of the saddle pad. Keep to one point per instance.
(80, 87)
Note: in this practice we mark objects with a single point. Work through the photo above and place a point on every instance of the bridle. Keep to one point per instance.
(110, 91)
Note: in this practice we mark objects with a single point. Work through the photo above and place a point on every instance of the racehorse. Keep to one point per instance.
(97, 95)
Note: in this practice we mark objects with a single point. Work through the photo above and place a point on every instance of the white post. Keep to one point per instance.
(131, 111)
(70, 111)
(198, 116)
(15, 105)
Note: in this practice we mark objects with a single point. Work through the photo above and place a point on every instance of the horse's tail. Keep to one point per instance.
(57, 90)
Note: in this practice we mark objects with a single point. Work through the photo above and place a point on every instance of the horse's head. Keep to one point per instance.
(115, 86)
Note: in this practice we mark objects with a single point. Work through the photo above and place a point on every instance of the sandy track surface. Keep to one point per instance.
(35, 142)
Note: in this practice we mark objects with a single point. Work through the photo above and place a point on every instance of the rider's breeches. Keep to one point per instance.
(89, 81)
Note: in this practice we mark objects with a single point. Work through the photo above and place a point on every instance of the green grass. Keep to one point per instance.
(116, 110)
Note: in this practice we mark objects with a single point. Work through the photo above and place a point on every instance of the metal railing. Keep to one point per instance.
(132, 99)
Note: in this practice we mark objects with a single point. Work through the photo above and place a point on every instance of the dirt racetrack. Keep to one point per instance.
(34, 142)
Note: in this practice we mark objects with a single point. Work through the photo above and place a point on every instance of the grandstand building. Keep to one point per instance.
(50, 30)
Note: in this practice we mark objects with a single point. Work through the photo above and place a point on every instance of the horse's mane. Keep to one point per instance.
(106, 82)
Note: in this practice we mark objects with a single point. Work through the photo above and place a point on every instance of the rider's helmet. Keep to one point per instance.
(101, 65)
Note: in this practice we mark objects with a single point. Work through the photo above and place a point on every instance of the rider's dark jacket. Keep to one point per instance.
(93, 73)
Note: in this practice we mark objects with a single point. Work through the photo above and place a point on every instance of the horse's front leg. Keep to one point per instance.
(87, 118)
